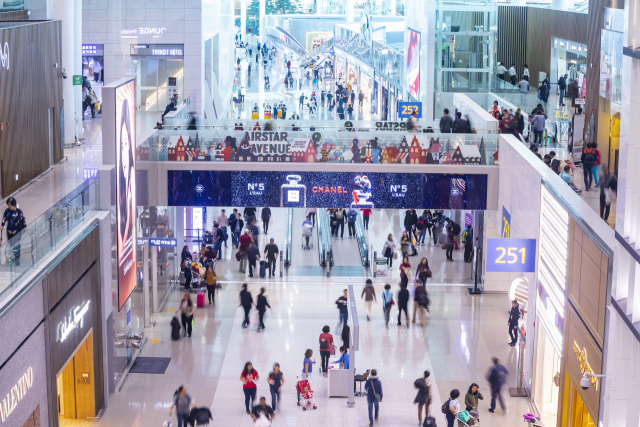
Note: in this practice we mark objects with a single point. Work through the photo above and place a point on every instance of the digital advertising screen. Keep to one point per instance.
(327, 189)
(413, 64)
(126, 190)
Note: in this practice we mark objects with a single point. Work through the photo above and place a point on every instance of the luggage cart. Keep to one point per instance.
(381, 269)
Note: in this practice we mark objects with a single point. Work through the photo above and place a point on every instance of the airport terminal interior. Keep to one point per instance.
(319, 213)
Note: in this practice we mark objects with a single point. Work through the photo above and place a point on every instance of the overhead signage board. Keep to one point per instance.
(511, 255)
(163, 242)
(93, 49)
(327, 189)
(406, 109)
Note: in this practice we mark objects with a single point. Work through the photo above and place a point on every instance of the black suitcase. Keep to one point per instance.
(175, 329)
(208, 238)
(429, 422)
(263, 269)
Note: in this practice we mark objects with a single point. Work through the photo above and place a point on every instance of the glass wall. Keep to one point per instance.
(152, 76)
(546, 384)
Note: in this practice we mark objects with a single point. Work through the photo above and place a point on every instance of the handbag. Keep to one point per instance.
(332, 349)
(395, 255)
(608, 196)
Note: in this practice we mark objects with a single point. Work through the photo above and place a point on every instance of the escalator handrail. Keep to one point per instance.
(362, 241)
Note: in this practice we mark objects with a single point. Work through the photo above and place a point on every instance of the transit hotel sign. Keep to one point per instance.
(75, 320)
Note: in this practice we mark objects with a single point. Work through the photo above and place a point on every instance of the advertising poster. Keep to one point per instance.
(413, 64)
(327, 190)
(126, 190)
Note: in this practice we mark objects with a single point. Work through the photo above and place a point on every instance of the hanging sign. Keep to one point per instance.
(511, 255)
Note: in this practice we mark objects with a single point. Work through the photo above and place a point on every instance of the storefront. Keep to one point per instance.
(159, 72)
(366, 86)
(93, 63)
(573, 283)
(340, 68)
(568, 57)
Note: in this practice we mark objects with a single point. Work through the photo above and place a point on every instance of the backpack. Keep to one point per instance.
(324, 345)
(423, 300)
(421, 225)
(456, 229)
(498, 376)
(225, 234)
(340, 214)
(445, 407)
(589, 158)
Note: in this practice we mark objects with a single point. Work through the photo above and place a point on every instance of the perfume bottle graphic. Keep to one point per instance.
(362, 192)
(293, 194)
(456, 193)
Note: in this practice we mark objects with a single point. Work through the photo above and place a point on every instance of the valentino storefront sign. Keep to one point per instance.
(73, 321)
(16, 394)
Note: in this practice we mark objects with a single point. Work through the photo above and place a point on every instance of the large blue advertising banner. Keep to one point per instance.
(327, 189)
(511, 255)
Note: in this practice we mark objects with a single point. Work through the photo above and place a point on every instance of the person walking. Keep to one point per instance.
(276, 381)
(420, 304)
(249, 376)
(352, 215)
(307, 367)
(340, 111)
(421, 227)
(448, 243)
(512, 74)
(343, 308)
(218, 238)
(262, 411)
(403, 304)
(350, 111)
(340, 216)
(467, 241)
(496, 376)
(424, 397)
(373, 387)
(472, 396)
(454, 407)
(266, 216)
(525, 73)
(387, 303)
(514, 317)
(562, 86)
(245, 242)
(410, 220)
(210, 280)
(543, 91)
(271, 253)
(537, 124)
(246, 301)
(446, 122)
(405, 243)
(361, 98)
(253, 256)
(262, 305)
(369, 294)
(389, 249)
(608, 190)
(574, 92)
(13, 218)
(326, 343)
(311, 213)
(183, 404)
(187, 309)
(366, 213)
(92, 100)
(423, 272)
(596, 166)
(588, 161)
(405, 270)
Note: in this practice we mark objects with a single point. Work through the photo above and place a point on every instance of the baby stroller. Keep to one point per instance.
(468, 418)
(305, 395)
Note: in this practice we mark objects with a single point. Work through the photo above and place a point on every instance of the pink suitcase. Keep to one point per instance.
(200, 299)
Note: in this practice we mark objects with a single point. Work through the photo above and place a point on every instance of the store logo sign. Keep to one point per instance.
(143, 30)
(16, 394)
(199, 188)
(75, 320)
(398, 190)
(255, 189)
(4, 57)
(581, 354)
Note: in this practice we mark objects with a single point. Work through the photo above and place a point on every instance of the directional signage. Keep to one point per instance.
(506, 223)
(163, 242)
(511, 255)
(406, 109)
(77, 80)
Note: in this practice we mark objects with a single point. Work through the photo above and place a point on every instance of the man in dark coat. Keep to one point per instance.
(514, 316)
(245, 301)
(497, 376)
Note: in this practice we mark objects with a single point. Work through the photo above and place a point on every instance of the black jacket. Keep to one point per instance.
(514, 315)
(403, 297)
(446, 122)
(266, 213)
(461, 125)
(245, 298)
(253, 253)
(262, 303)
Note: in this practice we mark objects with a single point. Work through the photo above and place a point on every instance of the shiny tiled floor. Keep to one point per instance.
(461, 335)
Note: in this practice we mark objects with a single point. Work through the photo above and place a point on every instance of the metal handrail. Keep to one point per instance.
(362, 241)
(287, 241)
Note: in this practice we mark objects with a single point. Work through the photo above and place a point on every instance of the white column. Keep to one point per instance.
(145, 284)
(349, 11)
(392, 7)
(64, 11)
(77, 62)
(243, 20)
(262, 21)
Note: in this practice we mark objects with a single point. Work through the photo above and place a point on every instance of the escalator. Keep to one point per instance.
(304, 262)
(350, 255)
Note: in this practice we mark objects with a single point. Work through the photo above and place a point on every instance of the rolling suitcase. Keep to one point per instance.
(200, 299)
(263, 269)
(175, 329)
(208, 238)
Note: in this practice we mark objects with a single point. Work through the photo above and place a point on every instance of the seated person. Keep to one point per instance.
(566, 177)
(262, 408)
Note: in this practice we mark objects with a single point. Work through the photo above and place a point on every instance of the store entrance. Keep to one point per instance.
(579, 415)
(75, 388)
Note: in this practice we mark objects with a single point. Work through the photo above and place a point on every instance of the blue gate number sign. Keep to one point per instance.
(406, 109)
(511, 255)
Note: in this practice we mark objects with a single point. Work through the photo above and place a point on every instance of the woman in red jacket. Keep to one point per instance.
(326, 343)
